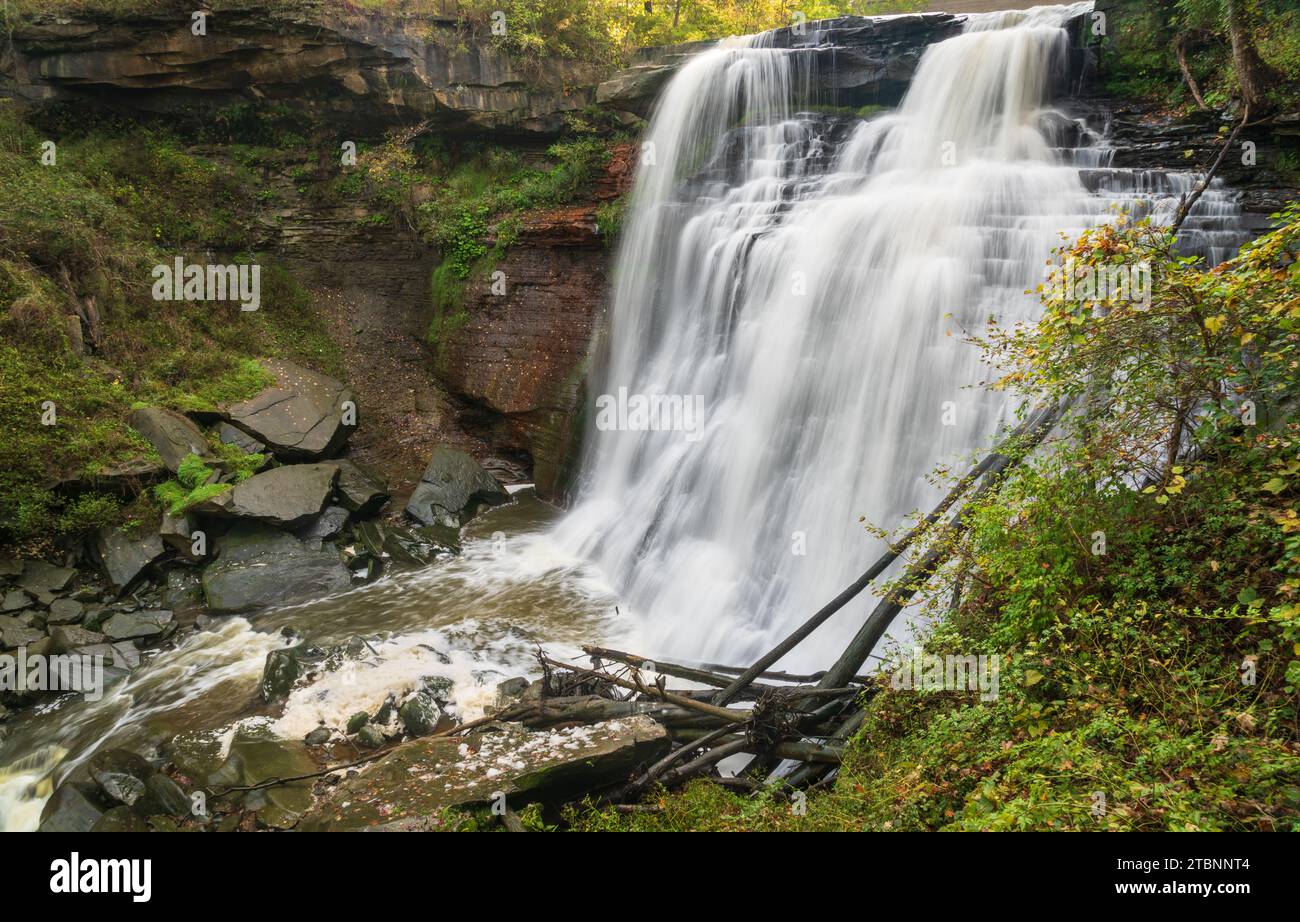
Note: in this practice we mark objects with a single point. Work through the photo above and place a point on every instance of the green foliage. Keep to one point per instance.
(189, 487)
(1140, 61)
(82, 235)
(608, 31)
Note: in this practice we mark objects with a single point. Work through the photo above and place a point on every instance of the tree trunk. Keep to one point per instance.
(1254, 75)
(1180, 48)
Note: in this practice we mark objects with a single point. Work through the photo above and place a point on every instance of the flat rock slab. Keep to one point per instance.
(290, 496)
(139, 625)
(259, 567)
(124, 557)
(299, 418)
(452, 488)
(360, 490)
(412, 785)
(39, 575)
(174, 435)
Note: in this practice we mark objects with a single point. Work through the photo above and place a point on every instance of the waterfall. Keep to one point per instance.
(809, 282)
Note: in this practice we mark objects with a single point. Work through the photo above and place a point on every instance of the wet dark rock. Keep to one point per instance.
(174, 436)
(288, 497)
(121, 774)
(257, 567)
(139, 625)
(183, 591)
(300, 417)
(326, 524)
(370, 737)
(14, 634)
(285, 666)
(360, 490)
(176, 531)
(38, 575)
(75, 806)
(318, 737)
(356, 722)
(120, 819)
(15, 600)
(69, 638)
(124, 557)
(510, 691)
(452, 489)
(65, 611)
(163, 796)
(255, 758)
(10, 568)
(420, 714)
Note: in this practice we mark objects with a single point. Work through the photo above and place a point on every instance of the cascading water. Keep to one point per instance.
(809, 276)
(816, 298)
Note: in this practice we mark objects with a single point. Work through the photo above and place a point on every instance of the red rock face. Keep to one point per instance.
(520, 359)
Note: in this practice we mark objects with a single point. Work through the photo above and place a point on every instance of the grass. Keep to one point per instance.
(83, 233)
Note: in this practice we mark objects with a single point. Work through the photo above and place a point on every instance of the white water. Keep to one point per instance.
(821, 406)
(825, 402)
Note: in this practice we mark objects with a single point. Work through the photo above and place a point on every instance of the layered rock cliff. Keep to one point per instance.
(355, 67)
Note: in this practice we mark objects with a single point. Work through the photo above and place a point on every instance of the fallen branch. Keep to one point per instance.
(727, 714)
(986, 466)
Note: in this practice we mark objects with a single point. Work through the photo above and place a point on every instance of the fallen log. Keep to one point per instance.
(726, 714)
(994, 462)
(915, 576)
(667, 667)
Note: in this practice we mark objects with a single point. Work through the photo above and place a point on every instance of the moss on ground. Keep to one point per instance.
(81, 236)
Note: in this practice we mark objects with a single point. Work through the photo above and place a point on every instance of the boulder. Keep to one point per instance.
(420, 714)
(420, 778)
(258, 567)
(370, 737)
(300, 417)
(360, 490)
(254, 758)
(75, 806)
(173, 435)
(14, 633)
(65, 611)
(289, 496)
(284, 667)
(176, 531)
(452, 488)
(15, 600)
(124, 557)
(125, 480)
(184, 590)
(139, 625)
(325, 524)
(120, 819)
(39, 575)
(163, 796)
(68, 638)
(240, 439)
